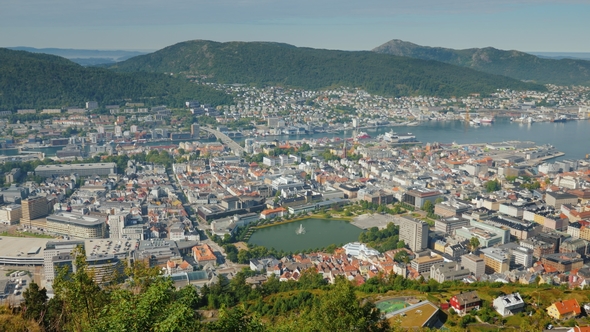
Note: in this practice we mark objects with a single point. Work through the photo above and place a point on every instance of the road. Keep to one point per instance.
(235, 147)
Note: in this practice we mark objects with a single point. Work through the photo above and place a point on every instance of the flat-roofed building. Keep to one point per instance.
(34, 207)
(522, 256)
(18, 251)
(10, 214)
(448, 272)
(99, 169)
(416, 316)
(517, 227)
(449, 225)
(451, 208)
(557, 199)
(424, 263)
(414, 233)
(77, 226)
(102, 268)
(475, 264)
(496, 260)
(54, 249)
(417, 197)
(486, 234)
(157, 252)
(563, 262)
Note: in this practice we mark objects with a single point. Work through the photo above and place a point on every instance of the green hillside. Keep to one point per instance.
(30, 80)
(281, 64)
(515, 64)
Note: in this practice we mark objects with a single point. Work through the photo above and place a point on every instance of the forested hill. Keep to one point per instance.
(515, 64)
(31, 80)
(281, 64)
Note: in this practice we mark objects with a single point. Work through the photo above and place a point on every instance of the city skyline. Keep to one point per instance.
(525, 25)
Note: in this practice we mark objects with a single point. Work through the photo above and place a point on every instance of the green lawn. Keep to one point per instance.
(26, 234)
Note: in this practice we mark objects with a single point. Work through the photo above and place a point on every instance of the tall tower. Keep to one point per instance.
(33, 208)
(467, 118)
(344, 150)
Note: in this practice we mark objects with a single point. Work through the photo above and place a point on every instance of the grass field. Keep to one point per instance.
(391, 306)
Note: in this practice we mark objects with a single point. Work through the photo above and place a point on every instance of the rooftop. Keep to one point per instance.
(74, 166)
(416, 315)
(78, 220)
(568, 306)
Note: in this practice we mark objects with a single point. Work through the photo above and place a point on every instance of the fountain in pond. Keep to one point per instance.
(300, 230)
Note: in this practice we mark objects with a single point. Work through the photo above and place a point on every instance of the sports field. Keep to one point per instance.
(391, 305)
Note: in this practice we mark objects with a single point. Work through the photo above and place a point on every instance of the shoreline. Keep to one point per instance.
(299, 219)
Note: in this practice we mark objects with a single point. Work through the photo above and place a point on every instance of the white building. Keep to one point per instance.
(507, 305)
(359, 249)
(522, 256)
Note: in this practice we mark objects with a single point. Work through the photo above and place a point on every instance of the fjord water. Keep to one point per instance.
(319, 233)
(572, 137)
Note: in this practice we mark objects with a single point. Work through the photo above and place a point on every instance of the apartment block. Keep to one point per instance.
(496, 260)
(475, 264)
(33, 208)
(414, 233)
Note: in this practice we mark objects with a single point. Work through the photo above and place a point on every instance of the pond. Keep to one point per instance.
(318, 233)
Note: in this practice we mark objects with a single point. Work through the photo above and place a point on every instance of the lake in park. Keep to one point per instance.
(319, 233)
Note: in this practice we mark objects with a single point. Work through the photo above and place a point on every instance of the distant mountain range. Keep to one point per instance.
(562, 55)
(84, 57)
(264, 63)
(515, 64)
(32, 80)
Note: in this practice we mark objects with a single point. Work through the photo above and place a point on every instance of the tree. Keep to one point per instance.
(402, 257)
(35, 303)
(79, 296)
(338, 310)
(231, 252)
(493, 185)
(428, 207)
(236, 320)
(159, 308)
(474, 243)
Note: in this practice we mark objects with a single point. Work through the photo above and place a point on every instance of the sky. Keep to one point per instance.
(525, 25)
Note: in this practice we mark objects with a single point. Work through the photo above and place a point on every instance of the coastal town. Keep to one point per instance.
(188, 190)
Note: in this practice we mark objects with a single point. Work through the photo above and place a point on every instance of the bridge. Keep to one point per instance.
(235, 147)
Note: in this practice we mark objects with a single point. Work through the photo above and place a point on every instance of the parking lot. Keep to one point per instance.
(12, 286)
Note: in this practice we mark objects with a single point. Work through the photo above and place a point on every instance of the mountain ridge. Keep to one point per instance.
(512, 63)
(267, 63)
(36, 80)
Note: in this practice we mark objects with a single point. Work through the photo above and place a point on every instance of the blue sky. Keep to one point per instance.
(526, 25)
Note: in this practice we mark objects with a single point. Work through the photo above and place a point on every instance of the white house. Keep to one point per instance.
(507, 305)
